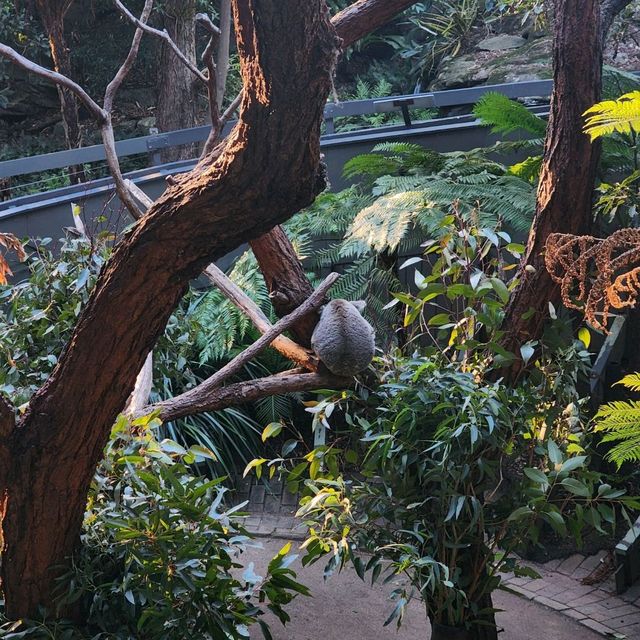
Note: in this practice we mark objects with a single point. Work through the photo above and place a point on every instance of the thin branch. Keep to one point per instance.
(164, 36)
(123, 71)
(208, 24)
(205, 389)
(57, 78)
(287, 347)
(109, 142)
(217, 127)
(222, 57)
(231, 109)
(244, 392)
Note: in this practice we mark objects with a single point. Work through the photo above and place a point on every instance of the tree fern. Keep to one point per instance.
(504, 115)
(620, 423)
(621, 115)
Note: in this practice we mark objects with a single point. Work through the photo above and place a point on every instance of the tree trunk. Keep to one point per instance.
(53, 15)
(564, 200)
(238, 192)
(285, 278)
(177, 95)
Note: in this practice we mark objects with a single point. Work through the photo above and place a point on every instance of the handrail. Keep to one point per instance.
(153, 144)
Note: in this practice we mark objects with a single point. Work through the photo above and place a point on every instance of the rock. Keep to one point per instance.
(529, 62)
(146, 123)
(501, 42)
(460, 72)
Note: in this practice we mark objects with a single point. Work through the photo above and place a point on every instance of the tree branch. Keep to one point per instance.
(244, 392)
(205, 388)
(123, 71)
(608, 12)
(365, 16)
(287, 347)
(208, 24)
(164, 36)
(57, 78)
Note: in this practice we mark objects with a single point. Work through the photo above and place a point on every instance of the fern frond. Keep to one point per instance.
(620, 422)
(382, 225)
(622, 115)
(631, 381)
(504, 115)
(528, 169)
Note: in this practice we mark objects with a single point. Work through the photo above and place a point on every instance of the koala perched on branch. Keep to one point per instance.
(343, 340)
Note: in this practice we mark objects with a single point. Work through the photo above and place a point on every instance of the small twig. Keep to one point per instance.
(164, 36)
(231, 368)
(57, 78)
(123, 71)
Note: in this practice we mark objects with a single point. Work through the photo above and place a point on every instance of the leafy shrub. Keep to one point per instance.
(37, 317)
(159, 553)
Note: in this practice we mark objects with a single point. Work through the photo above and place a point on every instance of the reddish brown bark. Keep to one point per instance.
(287, 51)
(564, 201)
(285, 278)
(177, 95)
(365, 16)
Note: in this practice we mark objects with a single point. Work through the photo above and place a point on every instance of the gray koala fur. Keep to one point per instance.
(343, 340)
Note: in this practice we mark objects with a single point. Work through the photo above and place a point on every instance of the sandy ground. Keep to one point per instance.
(345, 608)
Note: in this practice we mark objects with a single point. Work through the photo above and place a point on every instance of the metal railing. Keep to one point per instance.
(153, 145)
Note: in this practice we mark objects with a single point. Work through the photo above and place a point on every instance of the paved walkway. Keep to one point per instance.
(595, 606)
(346, 608)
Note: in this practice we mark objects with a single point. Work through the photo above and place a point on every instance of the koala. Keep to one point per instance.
(343, 340)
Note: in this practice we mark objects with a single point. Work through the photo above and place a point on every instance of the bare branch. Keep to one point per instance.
(207, 23)
(204, 389)
(123, 71)
(231, 109)
(164, 36)
(109, 142)
(56, 78)
(287, 347)
(244, 392)
(222, 56)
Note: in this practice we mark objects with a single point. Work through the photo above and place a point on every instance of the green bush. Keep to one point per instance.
(159, 553)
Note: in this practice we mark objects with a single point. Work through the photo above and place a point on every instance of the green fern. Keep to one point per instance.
(620, 422)
(631, 381)
(621, 115)
(504, 115)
